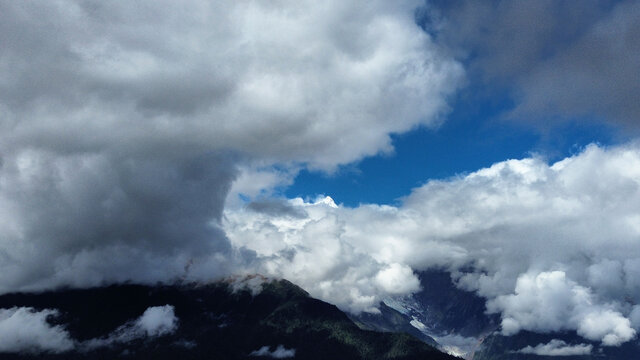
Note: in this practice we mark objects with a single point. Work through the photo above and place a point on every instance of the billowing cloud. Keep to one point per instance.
(312, 251)
(552, 247)
(27, 330)
(550, 302)
(124, 125)
(557, 347)
(319, 83)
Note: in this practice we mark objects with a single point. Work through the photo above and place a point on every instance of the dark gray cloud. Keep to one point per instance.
(83, 219)
(275, 207)
(561, 59)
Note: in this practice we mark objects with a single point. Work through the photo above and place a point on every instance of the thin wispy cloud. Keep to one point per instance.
(557, 348)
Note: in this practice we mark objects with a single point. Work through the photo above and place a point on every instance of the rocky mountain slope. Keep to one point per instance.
(457, 321)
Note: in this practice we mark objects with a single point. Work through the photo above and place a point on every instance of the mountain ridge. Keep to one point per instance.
(220, 320)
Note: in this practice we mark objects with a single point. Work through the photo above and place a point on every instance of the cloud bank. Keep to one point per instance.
(124, 125)
(319, 83)
(552, 247)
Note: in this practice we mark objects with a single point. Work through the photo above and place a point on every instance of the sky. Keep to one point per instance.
(473, 136)
(343, 145)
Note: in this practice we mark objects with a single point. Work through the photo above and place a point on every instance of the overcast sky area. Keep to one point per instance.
(342, 145)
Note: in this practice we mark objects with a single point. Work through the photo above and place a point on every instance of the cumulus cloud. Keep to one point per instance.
(25, 329)
(550, 302)
(320, 83)
(279, 353)
(552, 247)
(155, 321)
(312, 251)
(124, 125)
(557, 347)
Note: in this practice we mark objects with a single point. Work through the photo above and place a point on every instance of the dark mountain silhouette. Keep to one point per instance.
(215, 322)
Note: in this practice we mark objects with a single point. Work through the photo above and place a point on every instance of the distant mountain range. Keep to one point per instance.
(455, 321)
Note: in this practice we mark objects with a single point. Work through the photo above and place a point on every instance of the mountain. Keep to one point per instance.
(457, 321)
(220, 320)
(449, 318)
(390, 320)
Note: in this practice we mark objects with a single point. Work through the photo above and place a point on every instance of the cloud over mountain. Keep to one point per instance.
(551, 246)
(124, 125)
(155, 321)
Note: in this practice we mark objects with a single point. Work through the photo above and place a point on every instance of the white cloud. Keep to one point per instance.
(155, 321)
(397, 279)
(312, 251)
(25, 329)
(279, 353)
(158, 321)
(549, 301)
(606, 325)
(557, 347)
(552, 247)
